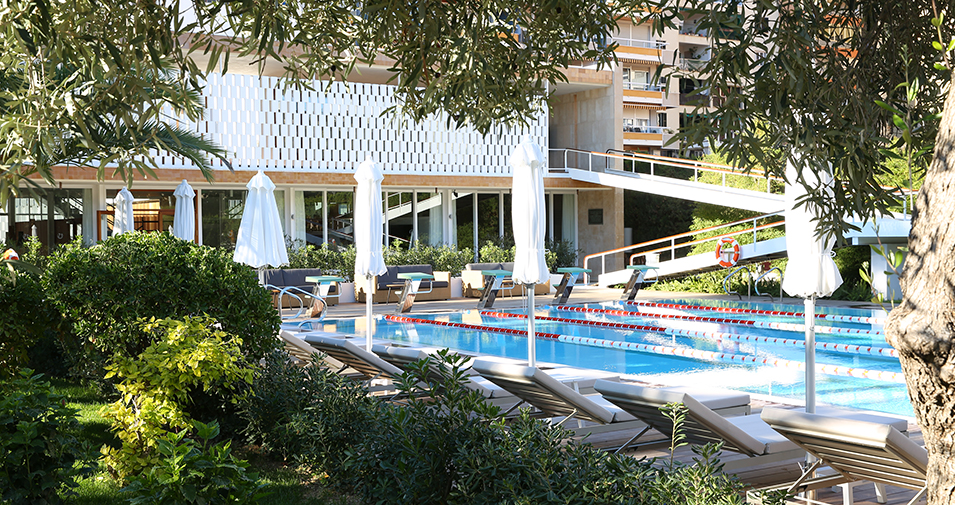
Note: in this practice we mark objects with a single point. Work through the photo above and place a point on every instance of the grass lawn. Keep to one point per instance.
(286, 485)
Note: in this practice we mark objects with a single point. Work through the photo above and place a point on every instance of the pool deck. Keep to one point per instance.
(757, 476)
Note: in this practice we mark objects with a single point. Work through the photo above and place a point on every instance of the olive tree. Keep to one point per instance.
(843, 86)
(98, 80)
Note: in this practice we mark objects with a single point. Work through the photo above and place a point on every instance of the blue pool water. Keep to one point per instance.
(663, 368)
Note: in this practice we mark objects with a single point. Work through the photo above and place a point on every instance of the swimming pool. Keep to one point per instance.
(752, 347)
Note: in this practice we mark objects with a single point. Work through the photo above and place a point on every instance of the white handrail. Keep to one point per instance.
(610, 162)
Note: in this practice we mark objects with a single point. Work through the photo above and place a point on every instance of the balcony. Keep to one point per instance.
(628, 128)
(642, 86)
(646, 136)
(646, 44)
(693, 64)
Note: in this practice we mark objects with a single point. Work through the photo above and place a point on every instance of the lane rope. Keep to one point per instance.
(772, 325)
(735, 310)
(713, 335)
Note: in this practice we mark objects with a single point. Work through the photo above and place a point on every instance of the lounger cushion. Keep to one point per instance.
(849, 431)
(714, 399)
(757, 428)
(644, 403)
(900, 424)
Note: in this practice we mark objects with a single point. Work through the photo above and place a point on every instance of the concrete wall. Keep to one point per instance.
(593, 120)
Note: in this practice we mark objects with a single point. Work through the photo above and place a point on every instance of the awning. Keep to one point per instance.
(641, 106)
(638, 58)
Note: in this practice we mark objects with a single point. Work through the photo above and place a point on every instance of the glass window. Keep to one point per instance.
(488, 219)
(54, 216)
(221, 216)
(153, 210)
(341, 218)
(430, 223)
(464, 219)
(400, 220)
(661, 119)
(310, 217)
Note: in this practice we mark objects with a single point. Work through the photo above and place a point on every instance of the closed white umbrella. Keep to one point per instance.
(369, 231)
(810, 272)
(260, 241)
(184, 222)
(527, 218)
(123, 212)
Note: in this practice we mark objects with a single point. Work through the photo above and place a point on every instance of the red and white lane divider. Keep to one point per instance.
(772, 325)
(713, 335)
(670, 351)
(732, 310)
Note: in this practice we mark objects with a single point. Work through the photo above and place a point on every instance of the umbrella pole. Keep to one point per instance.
(531, 338)
(369, 320)
(810, 323)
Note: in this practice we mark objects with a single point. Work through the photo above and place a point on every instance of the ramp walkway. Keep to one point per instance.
(674, 177)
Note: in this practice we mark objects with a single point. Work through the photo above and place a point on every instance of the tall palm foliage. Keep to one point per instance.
(85, 83)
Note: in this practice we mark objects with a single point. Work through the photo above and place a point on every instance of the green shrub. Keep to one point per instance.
(306, 414)
(26, 321)
(441, 258)
(188, 472)
(444, 444)
(331, 261)
(155, 386)
(39, 454)
(104, 290)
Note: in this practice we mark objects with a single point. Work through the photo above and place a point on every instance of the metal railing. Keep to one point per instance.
(749, 283)
(694, 32)
(642, 129)
(642, 86)
(627, 161)
(648, 44)
(692, 63)
(677, 246)
(764, 274)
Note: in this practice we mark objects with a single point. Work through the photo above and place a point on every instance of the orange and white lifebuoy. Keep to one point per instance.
(727, 251)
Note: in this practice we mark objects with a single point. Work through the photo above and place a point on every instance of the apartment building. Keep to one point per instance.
(442, 186)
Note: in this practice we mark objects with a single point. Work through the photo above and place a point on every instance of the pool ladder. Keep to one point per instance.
(750, 284)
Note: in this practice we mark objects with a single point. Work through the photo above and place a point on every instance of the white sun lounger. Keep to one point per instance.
(343, 350)
(555, 399)
(580, 379)
(856, 450)
(747, 435)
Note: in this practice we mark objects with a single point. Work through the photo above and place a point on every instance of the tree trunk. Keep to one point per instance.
(922, 328)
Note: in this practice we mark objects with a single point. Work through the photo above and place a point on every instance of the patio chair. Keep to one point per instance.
(856, 450)
(555, 399)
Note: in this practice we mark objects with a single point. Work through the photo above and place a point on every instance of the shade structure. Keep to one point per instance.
(527, 218)
(811, 271)
(369, 231)
(123, 212)
(184, 222)
(260, 240)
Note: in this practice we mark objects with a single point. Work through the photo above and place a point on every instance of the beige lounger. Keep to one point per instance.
(555, 399)
(856, 450)
(342, 349)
